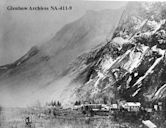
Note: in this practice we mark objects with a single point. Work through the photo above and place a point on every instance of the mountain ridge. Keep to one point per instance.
(43, 65)
(127, 67)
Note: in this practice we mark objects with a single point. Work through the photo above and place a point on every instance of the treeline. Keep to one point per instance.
(77, 103)
(103, 100)
(54, 103)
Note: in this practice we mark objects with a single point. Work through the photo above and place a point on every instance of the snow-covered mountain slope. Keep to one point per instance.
(131, 66)
(102, 57)
(40, 67)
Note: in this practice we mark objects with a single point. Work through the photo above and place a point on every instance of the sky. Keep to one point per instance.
(20, 30)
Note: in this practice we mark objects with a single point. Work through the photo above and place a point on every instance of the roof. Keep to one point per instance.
(149, 124)
(135, 104)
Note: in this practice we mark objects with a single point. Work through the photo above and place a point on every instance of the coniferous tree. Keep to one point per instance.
(76, 103)
(58, 104)
(79, 102)
(54, 104)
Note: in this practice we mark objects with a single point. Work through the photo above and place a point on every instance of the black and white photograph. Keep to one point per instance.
(82, 64)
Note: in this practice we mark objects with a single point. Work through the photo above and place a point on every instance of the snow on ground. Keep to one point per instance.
(135, 59)
(150, 70)
(160, 51)
(110, 63)
(106, 64)
(136, 92)
(160, 91)
(120, 59)
(120, 41)
(158, 25)
(100, 77)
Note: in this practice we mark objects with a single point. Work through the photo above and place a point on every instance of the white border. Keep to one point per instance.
(130, 0)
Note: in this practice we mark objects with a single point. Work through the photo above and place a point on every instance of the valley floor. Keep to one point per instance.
(15, 118)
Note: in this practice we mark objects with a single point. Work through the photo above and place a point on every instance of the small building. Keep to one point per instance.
(159, 100)
(77, 107)
(105, 107)
(95, 109)
(132, 106)
(114, 106)
(149, 110)
(158, 106)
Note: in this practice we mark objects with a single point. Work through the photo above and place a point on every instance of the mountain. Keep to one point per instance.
(37, 74)
(131, 66)
(103, 57)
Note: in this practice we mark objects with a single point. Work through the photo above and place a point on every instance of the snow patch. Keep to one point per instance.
(160, 51)
(100, 77)
(135, 74)
(135, 58)
(120, 40)
(106, 64)
(150, 70)
(128, 81)
(136, 92)
(160, 91)
(111, 63)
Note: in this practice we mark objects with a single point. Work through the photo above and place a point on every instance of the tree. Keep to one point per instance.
(58, 104)
(105, 99)
(79, 102)
(54, 103)
(76, 103)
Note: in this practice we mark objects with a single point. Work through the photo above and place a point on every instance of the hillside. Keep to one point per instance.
(37, 74)
(131, 66)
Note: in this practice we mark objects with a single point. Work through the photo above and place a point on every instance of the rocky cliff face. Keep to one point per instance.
(98, 63)
(131, 66)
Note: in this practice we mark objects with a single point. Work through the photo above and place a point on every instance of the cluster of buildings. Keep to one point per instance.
(135, 107)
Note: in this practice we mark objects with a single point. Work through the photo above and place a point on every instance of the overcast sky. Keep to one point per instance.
(20, 30)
